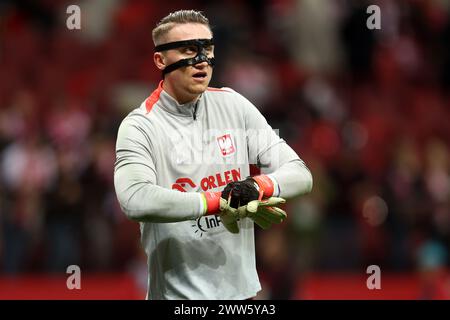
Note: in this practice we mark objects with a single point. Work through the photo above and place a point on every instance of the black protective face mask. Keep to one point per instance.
(200, 44)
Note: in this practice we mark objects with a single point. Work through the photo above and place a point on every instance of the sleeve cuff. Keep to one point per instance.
(203, 205)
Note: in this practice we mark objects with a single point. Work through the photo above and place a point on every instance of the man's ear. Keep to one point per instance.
(159, 60)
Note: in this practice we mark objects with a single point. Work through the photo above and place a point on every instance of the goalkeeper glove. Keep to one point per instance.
(229, 216)
(215, 204)
(264, 212)
(239, 193)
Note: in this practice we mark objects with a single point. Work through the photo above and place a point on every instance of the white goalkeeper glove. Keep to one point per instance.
(229, 216)
(264, 212)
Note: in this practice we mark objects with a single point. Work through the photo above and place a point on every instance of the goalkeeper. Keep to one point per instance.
(198, 140)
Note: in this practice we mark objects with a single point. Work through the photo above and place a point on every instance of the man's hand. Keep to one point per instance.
(264, 212)
(239, 193)
(251, 198)
(229, 216)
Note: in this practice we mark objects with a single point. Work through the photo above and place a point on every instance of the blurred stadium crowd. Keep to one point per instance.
(368, 111)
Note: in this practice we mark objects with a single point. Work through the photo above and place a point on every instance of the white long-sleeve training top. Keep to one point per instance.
(166, 155)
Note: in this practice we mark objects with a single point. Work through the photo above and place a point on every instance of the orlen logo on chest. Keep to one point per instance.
(226, 145)
(220, 179)
(209, 224)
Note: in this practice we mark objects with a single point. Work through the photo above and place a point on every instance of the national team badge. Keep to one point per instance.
(226, 145)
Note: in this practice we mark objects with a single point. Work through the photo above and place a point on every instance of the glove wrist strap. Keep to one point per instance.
(211, 202)
(265, 184)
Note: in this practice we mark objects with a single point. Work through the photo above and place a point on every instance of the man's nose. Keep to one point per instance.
(201, 65)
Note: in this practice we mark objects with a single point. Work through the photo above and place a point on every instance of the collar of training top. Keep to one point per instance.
(200, 44)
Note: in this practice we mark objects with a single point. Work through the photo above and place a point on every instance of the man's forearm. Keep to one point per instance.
(293, 179)
(145, 202)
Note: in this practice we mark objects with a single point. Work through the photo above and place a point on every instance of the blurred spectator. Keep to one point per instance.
(312, 35)
(431, 261)
(63, 218)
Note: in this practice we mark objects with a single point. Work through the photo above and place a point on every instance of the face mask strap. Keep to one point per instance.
(185, 43)
(201, 56)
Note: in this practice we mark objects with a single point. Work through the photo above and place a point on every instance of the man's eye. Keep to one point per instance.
(189, 50)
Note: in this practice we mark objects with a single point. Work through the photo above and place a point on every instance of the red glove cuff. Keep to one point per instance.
(211, 202)
(265, 184)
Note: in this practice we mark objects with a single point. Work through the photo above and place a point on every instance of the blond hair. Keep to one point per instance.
(177, 17)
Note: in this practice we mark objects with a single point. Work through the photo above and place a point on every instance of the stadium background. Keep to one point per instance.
(368, 110)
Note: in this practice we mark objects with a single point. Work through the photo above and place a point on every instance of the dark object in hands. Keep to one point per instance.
(241, 192)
